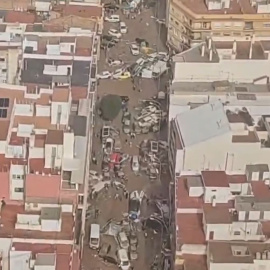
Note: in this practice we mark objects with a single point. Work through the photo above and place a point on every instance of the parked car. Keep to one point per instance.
(106, 45)
(135, 165)
(108, 146)
(111, 6)
(124, 263)
(104, 250)
(133, 239)
(133, 254)
(104, 75)
(113, 18)
(115, 62)
(114, 33)
(134, 49)
(123, 240)
(134, 204)
(123, 28)
(126, 118)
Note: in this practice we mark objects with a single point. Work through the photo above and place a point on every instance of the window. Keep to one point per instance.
(4, 70)
(17, 177)
(80, 199)
(18, 189)
(4, 102)
(236, 233)
(3, 113)
(176, 22)
(266, 25)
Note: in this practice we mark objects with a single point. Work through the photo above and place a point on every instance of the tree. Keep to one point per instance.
(110, 106)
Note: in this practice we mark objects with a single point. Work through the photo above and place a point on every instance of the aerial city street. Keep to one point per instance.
(134, 135)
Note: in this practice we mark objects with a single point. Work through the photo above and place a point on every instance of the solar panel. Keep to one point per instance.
(4, 102)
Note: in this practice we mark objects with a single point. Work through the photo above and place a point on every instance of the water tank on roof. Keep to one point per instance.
(268, 255)
(264, 256)
(258, 255)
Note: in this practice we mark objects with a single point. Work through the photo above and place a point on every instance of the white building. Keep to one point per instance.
(234, 61)
(208, 137)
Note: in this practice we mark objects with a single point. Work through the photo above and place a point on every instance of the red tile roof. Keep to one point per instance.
(9, 218)
(237, 178)
(215, 179)
(182, 197)
(190, 229)
(39, 186)
(19, 17)
(260, 189)
(80, 11)
(217, 214)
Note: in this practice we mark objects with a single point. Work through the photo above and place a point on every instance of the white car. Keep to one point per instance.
(123, 28)
(135, 164)
(108, 146)
(114, 33)
(113, 19)
(134, 49)
(114, 63)
(104, 75)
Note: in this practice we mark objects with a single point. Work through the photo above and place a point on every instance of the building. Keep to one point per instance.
(235, 62)
(213, 208)
(192, 21)
(48, 90)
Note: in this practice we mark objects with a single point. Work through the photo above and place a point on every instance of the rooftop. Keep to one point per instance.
(78, 10)
(217, 214)
(183, 200)
(236, 7)
(190, 229)
(235, 252)
(215, 179)
(9, 219)
(202, 123)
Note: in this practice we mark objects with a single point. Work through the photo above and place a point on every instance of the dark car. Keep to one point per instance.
(106, 45)
(111, 6)
(107, 37)
(104, 250)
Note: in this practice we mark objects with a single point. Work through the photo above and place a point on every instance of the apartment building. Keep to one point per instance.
(190, 22)
(215, 208)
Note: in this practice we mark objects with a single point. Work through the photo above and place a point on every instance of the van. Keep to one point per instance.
(123, 240)
(94, 236)
(123, 28)
(124, 263)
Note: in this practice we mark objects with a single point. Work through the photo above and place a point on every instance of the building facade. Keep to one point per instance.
(192, 21)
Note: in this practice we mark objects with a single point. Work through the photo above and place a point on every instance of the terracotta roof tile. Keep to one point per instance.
(60, 95)
(19, 17)
(77, 10)
(217, 214)
(260, 189)
(55, 137)
(190, 229)
(215, 179)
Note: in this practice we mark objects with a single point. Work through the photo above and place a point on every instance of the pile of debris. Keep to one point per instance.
(151, 66)
(149, 118)
(119, 237)
(153, 157)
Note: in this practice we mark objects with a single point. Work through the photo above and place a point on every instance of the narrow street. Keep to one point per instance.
(146, 28)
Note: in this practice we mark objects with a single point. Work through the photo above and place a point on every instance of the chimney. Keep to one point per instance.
(250, 51)
(234, 46)
(203, 50)
(209, 43)
(210, 55)
(214, 203)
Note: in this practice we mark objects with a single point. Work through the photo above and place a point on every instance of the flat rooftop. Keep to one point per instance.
(236, 7)
(235, 252)
(190, 229)
(9, 219)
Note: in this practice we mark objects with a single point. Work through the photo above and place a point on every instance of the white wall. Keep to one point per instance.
(19, 260)
(66, 208)
(48, 155)
(43, 110)
(244, 71)
(16, 179)
(210, 154)
(193, 249)
(64, 108)
(221, 194)
(5, 245)
(51, 225)
(68, 145)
